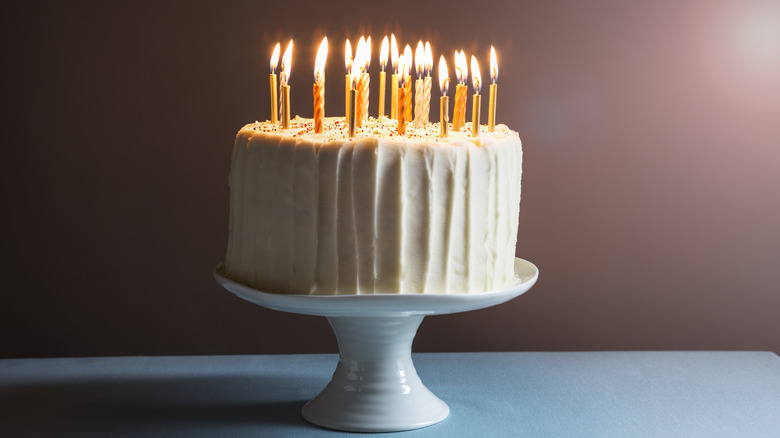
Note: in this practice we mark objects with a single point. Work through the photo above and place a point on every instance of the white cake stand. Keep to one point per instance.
(375, 387)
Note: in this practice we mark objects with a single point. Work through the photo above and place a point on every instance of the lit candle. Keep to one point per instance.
(403, 79)
(394, 78)
(408, 82)
(461, 74)
(359, 53)
(319, 84)
(285, 75)
(365, 81)
(382, 77)
(427, 85)
(477, 82)
(348, 79)
(272, 82)
(493, 80)
(353, 91)
(419, 61)
(444, 85)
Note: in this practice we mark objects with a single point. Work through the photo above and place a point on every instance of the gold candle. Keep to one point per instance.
(408, 100)
(347, 89)
(477, 106)
(348, 79)
(403, 94)
(274, 97)
(493, 86)
(352, 113)
(382, 76)
(319, 85)
(318, 91)
(381, 94)
(460, 107)
(402, 110)
(274, 86)
(286, 69)
(394, 96)
(418, 103)
(353, 98)
(444, 101)
(492, 108)
(285, 107)
(461, 73)
(394, 78)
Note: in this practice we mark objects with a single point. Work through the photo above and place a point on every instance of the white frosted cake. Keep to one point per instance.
(380, 213)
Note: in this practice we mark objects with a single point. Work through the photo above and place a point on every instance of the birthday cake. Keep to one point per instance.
(379, 213)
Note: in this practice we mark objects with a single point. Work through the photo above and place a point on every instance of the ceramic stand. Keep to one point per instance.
(375, 387)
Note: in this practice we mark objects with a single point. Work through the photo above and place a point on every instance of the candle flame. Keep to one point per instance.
(493, 66)
(287, 63)
(394, 53)
(319, 63)
(275, 58)
(354, 75)
(360, 53)
(407, 60)
(383, 53)
(404, 64)
(461, 67)
(444, 76)
(419, 59)
(475, 76)
(348, 56)
(367, 53)
(428, 59)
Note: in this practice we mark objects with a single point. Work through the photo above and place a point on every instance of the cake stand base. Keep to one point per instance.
(375, 387)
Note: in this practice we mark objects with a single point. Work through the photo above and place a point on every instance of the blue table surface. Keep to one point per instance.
(582, 394)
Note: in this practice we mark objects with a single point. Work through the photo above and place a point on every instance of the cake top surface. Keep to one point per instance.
(336, 128)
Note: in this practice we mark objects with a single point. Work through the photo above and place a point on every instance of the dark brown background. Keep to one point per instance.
(651, 193)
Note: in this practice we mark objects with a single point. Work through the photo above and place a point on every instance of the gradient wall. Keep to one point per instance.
(651, 191)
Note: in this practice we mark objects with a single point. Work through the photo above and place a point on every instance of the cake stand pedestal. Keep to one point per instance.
(375, 387)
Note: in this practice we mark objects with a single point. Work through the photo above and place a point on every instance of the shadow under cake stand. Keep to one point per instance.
(375, 387)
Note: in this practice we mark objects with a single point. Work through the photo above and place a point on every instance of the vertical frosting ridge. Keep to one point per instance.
(364, 210)
(326, 270)
(305, 217)
(389, 205)
(458, 247)
(416, 220)
(345, 225)
(235, 182)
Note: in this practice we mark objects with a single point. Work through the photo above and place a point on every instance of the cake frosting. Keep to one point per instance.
(377, 213)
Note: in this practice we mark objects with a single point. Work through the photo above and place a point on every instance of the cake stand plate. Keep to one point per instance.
(375, 387)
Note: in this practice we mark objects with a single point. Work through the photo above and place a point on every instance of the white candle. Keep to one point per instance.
(419, 60)
(427, 87)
